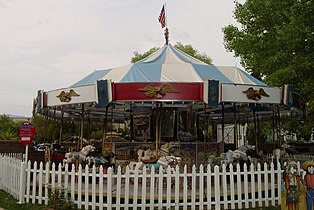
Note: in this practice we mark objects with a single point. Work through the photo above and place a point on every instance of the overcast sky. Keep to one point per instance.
(51, 44)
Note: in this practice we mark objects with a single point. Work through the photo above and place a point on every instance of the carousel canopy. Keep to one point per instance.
(171, 77)
(170, 64)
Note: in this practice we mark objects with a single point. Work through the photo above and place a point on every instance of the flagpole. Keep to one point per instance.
(166, 20)
(166, 23)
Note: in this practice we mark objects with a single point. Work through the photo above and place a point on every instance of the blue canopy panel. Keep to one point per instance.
(210, 72)
(155, 58)
(185, 57)
(143, 72)
(92, 78)
(253, 79)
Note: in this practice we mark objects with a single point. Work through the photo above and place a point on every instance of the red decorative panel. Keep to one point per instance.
(162, 91)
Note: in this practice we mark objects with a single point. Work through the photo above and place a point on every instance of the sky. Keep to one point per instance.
(51, 44)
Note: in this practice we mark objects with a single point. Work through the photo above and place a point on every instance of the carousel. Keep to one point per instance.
(170, 98)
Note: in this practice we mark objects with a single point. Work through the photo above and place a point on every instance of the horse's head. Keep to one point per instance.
(88, 149)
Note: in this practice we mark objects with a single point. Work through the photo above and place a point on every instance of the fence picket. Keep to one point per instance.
(135, 188)
(86, 188)
(193, 187)
(246, 186)
(177, 187)
(127, 188)
(217, 187)
(239, 190)
(109, 187)
(33, 196)
(94, 187)
(101, 188)
(272, 184)
(279, 180)
(232, 193)
(168, 191)
(252, 173)
(118, 189)
(152, 189)
(40, 182)
(185, 188)
(201, 188)
(72, 181)
(79, 187)
(266, 182)
(259, 185)
(144, 178)
(28, 182)
(208, 187)
(224, 186)
(160, 186)
(47, 172)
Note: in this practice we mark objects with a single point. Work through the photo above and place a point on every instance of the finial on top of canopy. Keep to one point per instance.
(167, 36)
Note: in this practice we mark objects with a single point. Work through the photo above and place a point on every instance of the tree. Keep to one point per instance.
(138, 56)
(188, 49)
(9, 130)
(275, 42)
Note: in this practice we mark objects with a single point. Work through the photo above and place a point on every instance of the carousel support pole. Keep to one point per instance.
(104, 131)
(61, 127)
(205, 132)
(258, 133)
(279, 125)
(157, 133)
(54, 119)
(255, 132)
(46, 125)
(88, 126)
(235, 129)
(223, 128)
(273, 127)
(82, 128)
(110, 149)
(132, 126)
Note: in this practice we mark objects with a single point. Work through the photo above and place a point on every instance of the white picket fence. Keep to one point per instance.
(185, 188)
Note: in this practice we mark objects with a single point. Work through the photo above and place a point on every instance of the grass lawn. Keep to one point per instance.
(9, 203)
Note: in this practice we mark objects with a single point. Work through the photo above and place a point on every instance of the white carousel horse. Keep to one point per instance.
(82, 156)
(163, 162)
(146, 157)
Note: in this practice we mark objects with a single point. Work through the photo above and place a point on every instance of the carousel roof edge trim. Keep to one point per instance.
(210, 94)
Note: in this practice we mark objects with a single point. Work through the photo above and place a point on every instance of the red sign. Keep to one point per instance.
(158, 91)
(27, 132)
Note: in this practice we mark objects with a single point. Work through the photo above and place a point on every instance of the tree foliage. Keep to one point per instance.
(138, 56)
(188, 49)
(9, 129)
(275, 42)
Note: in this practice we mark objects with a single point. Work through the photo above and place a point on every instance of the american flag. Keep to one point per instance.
(162, 17)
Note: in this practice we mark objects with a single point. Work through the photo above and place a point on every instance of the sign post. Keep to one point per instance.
(27, 131)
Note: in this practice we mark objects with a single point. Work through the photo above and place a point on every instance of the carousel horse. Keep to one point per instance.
(232, 157)
(163, 162)
(82, 156)
(169, 148)
(148, 157)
